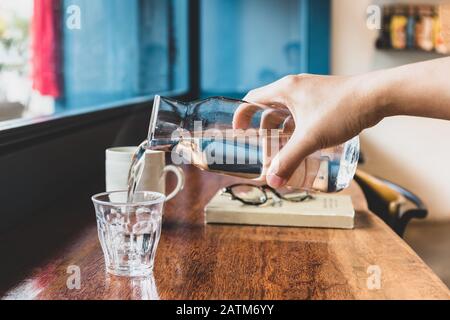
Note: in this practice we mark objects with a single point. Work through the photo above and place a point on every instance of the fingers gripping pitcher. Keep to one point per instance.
(241, 139)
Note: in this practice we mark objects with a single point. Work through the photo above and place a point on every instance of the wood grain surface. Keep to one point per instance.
(198, 261)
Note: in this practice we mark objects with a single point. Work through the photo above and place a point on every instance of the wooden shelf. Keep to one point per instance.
(414, 50)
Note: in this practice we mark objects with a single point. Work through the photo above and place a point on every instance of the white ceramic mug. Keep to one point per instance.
(118, 162)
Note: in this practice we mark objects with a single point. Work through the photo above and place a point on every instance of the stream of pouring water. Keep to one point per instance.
(136, 170)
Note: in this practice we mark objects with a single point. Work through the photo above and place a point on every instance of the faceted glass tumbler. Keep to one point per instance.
(129, 232)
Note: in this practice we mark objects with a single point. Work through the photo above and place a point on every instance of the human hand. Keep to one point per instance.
(326, 111)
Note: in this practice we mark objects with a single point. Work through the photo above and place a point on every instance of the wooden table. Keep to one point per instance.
(198, 261)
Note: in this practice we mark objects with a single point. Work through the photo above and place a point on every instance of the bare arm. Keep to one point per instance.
(329, 110)
(421, 89)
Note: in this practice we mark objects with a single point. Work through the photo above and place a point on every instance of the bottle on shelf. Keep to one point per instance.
(398, 28)
(384, 40)
(439, 43)
(411, 27)
(424, 29)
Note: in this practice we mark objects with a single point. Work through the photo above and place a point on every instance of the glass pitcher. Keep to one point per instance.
(209, 135)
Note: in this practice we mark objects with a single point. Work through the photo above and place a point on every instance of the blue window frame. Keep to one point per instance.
(136, 48)
(124, 49)
(249, 43)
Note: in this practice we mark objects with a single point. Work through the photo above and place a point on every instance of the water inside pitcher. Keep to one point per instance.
(240, 139)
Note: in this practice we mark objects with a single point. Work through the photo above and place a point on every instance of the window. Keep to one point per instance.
(124, 49)
(64, 55)
(58, 57)
(250, 43)
(15, 86)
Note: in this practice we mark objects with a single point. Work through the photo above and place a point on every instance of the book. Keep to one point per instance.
(325, 211)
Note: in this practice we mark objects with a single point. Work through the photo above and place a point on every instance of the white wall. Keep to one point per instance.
(413, 152)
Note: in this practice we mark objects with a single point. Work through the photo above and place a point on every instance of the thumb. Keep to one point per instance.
(288, 160)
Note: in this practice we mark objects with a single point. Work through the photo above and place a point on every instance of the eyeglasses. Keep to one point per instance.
(257, 195)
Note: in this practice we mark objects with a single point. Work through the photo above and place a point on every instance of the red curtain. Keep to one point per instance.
(46, 47)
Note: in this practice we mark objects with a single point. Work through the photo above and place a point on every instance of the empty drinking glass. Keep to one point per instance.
(129, 232)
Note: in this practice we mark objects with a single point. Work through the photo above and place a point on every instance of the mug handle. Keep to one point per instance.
(180, 178)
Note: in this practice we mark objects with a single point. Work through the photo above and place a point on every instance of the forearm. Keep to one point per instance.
(421, 89)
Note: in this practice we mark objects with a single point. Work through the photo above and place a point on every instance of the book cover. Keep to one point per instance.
(325, 211)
